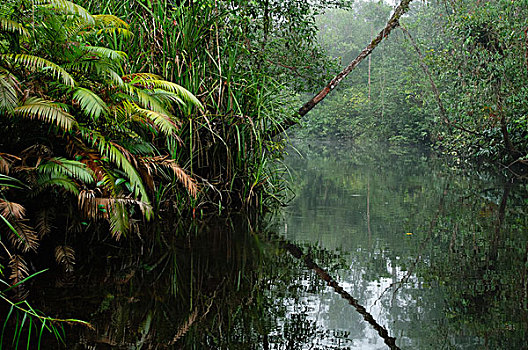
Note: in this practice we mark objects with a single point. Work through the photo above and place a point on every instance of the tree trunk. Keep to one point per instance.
(308, 106)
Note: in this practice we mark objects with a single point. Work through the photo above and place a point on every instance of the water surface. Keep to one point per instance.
(436, 255)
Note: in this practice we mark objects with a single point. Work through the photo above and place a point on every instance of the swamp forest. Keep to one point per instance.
(264, 174)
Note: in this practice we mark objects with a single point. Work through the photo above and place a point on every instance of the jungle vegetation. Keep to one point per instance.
(115, 115)
(473, 52)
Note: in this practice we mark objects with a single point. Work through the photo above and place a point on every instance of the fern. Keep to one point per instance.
(48, 111)
(36, 63)
(67, 167)
(90, 103)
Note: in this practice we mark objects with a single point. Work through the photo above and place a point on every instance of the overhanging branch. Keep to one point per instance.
(308, 106)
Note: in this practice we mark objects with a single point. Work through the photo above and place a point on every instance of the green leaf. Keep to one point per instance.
(35, 63)
(90, 103)
(48, 111)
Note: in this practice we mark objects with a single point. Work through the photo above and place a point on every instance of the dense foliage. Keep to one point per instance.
(476, 62)
(106, 124)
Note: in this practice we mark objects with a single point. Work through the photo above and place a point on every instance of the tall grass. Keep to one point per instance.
(202, 46)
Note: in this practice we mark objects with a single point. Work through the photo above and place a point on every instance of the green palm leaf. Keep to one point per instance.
(35, 63)
(45, 181)
(8, 91)
(164, 122)
(110, 21)
(67, 167)
(180, 91)
(119, 219)
(90, 103)
(68, 7)
(106, 52)
(48, 111)
(144, 99)
(8, 25)
(109, 150)
(125, 33)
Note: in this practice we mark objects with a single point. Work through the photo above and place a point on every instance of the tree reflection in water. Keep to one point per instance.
(437, 257)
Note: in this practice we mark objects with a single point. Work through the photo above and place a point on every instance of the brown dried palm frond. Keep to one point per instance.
(44, 220)
(37, 151)
(25, 238)
(12, 210)
(153, 163)
(184, 328)
(95, 207)
(77, 149)
(6, 161)
(91, 206)
(19, 271)
(65, 256)
(129, 156)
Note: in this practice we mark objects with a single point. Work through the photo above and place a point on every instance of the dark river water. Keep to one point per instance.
(438, 258)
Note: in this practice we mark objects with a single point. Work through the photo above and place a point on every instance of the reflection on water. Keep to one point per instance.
(438, 258)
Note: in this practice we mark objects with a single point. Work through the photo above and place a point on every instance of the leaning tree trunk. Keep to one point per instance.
(308, 106)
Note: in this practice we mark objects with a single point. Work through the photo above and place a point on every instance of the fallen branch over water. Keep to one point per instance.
(308, 106)
(382, 331)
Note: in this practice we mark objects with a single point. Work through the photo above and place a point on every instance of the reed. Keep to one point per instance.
(199, 45)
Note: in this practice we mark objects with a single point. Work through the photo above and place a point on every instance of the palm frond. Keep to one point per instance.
(6, 161)
(24, 238)
(69, 8)
(105, 52)
(36, 63)
(46, 181)
(180, 91)
(8, 25)
(9, 86)
(90, 103)
(67, 167)
(143, 98)
(19, 269)
(115, 155)
(48, 111)
(165, 123)
(12, 210)
(65, 256)
(115, 78)
(44, 219)
(188, 182)
(119, 220)
(110, 21)
(136, 77)
(125, 33)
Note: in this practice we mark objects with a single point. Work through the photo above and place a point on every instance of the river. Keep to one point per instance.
(436, 255)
